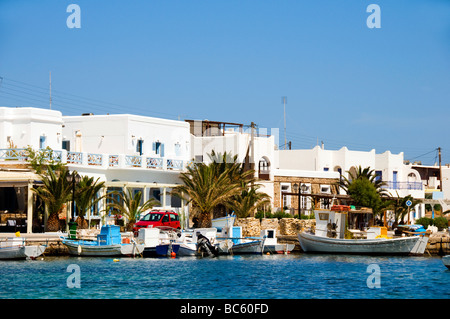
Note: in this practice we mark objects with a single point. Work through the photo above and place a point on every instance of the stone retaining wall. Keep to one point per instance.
(251, 226)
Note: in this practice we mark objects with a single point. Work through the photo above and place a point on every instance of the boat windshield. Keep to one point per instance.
(153, 217)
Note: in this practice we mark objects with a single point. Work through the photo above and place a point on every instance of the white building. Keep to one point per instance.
(27, 126)
(253, 147)
(125, 151)
(400, 178)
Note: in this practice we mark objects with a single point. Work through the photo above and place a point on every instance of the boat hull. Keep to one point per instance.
(253, 247)
(446, 261)
(21, 251)
(78, 249)
(13, 252)
(397, 246)
(279, 248)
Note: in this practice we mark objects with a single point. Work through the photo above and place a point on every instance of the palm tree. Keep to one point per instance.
(245, 203)
(129, 205)
(366, 173)
(86, 197)
(400, 209)
(55, 192)
(205, 187)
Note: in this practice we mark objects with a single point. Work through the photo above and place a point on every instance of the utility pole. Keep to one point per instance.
(284, 105)
(50, 80)
(252, 154)
(440, 169)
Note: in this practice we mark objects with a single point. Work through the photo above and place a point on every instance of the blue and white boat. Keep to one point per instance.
(109, 243)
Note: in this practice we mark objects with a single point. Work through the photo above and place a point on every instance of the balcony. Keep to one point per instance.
(403, 185)
(98, 160)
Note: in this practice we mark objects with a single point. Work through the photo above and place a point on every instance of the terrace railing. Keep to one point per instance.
(404, 185)
(100, 160)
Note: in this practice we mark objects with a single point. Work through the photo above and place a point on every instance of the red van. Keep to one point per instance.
(158, 218)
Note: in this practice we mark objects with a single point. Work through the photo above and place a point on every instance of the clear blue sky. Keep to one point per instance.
(346, 84)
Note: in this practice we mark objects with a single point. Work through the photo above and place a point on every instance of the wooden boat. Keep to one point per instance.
(446, 261)
(109, 243)
(271, 244)
(329, 237)
(16, 248)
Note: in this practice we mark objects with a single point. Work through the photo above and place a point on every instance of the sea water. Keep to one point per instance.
(294, 276)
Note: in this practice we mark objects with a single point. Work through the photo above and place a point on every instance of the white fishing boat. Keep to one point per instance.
(16, 248)
(109, 243)
(234, 243)
(159, 241)
(446, 261)
(329, 237)
(271, 244)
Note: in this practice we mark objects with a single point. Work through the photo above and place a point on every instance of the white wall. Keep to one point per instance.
(26, 125)
(119, 134)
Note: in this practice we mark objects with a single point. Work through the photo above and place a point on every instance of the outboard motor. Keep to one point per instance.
(204, 246)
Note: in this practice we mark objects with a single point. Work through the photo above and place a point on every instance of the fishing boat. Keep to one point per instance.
(109, 243)
(446, 261)
(271, 244)
(16, 248)
(329, 237)
(159, 241)
(235, 244)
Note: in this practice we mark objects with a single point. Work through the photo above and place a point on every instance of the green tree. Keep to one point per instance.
(400, 209)
(129, 205)
(247, 202)
(55, 192)
(364, 193)
(205, 187)
(365, 173)
(41, 159)
(86, 196)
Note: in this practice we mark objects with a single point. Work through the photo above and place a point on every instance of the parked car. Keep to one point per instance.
(157, 218)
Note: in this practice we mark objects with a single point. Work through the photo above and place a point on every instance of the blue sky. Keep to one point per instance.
(346, 84)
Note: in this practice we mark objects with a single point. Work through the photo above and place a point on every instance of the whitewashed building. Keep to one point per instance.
(125, 151)
(401, 179)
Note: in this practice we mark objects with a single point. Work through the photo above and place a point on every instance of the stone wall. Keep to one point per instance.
(251, 227)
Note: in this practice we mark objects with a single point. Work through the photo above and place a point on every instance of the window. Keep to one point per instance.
(326, 169)
(378, 175)
(42, 142)
(139, 146)
(173, 217)
(165, 218)
(66, 145)
(158, 148)
(177, 149)
(286, 200)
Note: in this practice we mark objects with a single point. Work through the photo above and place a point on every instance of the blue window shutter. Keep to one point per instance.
(154, 146)
(162, 150)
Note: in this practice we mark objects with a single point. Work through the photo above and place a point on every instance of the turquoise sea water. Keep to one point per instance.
(295, 276)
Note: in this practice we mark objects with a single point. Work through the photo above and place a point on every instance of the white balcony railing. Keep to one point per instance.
(100, 160)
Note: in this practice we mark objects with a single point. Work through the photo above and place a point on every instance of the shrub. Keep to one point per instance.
(440, 223)
(424, 221)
